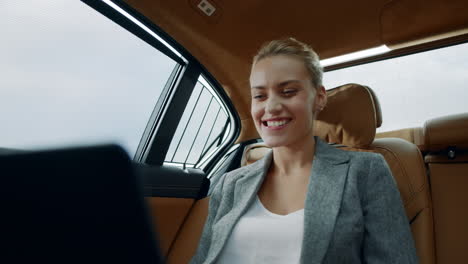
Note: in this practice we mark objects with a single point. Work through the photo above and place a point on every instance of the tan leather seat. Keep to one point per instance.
(413, 135)
(351, 118)
(446, 139)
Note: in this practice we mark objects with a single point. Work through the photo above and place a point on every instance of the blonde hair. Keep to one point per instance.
(293, 47)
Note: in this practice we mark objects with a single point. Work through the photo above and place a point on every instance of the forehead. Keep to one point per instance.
(277, 69)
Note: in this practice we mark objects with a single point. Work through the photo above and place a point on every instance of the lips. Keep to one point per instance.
(276, 123)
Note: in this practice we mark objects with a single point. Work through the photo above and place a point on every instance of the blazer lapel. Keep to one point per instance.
(323, 201)
(244, 191)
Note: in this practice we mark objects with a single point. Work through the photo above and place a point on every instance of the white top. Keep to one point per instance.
(261, 236)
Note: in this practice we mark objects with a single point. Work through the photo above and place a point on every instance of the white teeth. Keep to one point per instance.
(276, 123)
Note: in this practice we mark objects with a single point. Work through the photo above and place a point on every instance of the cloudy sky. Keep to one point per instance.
(71, 76)
(413, 89)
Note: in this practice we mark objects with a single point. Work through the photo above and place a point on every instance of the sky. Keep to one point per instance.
(70, 76)
(415, 88)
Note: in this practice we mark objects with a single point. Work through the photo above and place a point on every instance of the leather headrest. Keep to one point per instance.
(254, 152)
(351, 117)
(448, 131)
(413, 135)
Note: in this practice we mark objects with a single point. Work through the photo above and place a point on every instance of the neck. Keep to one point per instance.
(287, 160)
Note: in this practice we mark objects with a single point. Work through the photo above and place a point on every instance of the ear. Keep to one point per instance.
(320, 99)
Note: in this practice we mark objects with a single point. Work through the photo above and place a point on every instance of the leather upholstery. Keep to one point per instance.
(351, 116)
(407, 166)
(404, 159)
(447, 160)
(449, 198)
(448, 131)
(340, 123)
(413, 135)
(186, 243)
(356, 25)
(168, 216)
(461, 156)
(253, 152)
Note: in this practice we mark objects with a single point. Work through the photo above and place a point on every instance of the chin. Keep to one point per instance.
(273, 143)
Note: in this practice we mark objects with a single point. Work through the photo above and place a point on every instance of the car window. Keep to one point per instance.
(412, 89)
(203, 128)
(72, 76)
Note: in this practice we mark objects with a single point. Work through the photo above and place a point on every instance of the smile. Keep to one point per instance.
(276, 124)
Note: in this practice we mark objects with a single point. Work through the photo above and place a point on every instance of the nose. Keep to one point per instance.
(273, 105)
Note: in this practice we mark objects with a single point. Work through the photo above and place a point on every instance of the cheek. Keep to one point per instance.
(303, 110)
(256, 111)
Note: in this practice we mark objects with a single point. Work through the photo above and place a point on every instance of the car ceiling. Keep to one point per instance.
(226, 41)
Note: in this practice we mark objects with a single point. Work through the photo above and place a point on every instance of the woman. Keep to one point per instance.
(306, 201)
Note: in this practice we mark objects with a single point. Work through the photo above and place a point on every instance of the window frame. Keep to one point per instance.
(205, 157)
(161, 127)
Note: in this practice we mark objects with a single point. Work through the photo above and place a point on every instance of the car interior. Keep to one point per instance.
(74, 215)
(217, 39)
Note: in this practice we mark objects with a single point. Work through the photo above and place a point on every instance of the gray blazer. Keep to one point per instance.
(353, 211)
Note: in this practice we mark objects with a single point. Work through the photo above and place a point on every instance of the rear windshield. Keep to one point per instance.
(414, 88)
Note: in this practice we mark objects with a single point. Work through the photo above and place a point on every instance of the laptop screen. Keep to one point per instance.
(82, 205)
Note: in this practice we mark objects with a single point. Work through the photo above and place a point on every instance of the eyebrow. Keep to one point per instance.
(281, 84)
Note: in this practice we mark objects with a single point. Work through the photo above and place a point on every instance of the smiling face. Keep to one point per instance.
(284, 100)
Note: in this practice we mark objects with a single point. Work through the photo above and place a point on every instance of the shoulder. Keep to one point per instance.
(368, 168)
(365, 159)
(337, 155)
(363, 155)
(370, 162)
(358, 158)
(373, 176)
(369, 159)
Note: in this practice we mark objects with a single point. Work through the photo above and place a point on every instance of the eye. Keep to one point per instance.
(289, 92)
(259, 96)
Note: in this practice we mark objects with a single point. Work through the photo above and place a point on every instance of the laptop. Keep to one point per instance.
(80, 205)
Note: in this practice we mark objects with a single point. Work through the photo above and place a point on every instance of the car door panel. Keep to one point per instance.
(173, 197)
